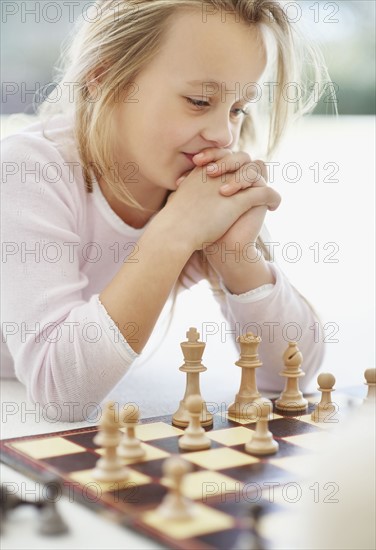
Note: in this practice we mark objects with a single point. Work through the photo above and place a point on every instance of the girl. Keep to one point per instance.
(136, 182)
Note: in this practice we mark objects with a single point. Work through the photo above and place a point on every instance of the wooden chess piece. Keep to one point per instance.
(110, 467)
(193, 350)
(262, 442)
(325, 410)
(370, 376)
(243, 408)
(194, 437)
(175, 506)
(291, 399)
(130, 446)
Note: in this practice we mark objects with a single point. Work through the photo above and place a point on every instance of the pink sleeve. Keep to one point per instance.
(65, 349)
(278, 314)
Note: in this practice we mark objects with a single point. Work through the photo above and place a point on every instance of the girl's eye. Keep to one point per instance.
(242, 111)
(201, 103)
(197, 102)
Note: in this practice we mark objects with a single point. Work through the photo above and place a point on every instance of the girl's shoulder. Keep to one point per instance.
(41, 166)
(28, 137)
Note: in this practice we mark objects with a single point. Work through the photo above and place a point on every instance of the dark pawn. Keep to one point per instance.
(9, 502)
(250, 539)
(256, 512)
(50, 520)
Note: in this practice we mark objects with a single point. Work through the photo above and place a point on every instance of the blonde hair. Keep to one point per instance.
(114, 47)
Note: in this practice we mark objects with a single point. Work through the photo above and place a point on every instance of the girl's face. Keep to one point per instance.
(159, 122)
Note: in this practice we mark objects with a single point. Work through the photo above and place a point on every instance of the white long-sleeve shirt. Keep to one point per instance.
(61, 246)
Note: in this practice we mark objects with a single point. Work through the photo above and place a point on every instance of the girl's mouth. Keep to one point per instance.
(189, 157)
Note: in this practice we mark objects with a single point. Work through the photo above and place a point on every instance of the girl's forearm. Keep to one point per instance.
(140, 289)
(242, 272)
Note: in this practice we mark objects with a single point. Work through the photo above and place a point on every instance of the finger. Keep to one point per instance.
(246, 177)
(252, 173)
(259, 196)
(228, 164)
(211, 154)
(231, 188)
(263, 169)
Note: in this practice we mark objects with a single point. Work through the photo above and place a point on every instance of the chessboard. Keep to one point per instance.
(223, 481)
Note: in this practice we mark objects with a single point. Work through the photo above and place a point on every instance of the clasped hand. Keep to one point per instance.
(237, 172)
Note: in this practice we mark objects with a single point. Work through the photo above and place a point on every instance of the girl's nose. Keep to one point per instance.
(217, 129)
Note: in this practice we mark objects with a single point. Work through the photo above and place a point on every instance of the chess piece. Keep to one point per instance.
(130, 447)
(192, 350)
(325, 410)
(249, 538)
(256, 512)
(9, 502)
(110, 467)
(262, 442)
(50, 520)
(243, 408)
(291, 399)
(175, 506)
(370, 376)
(194, 437)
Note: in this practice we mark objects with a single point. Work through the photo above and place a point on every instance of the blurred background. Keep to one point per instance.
(33, 31)
(325, 173)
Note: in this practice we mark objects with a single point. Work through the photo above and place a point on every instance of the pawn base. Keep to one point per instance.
(194, 443)
(261, 446)
(325, 414)
(131, 449)
(291, 404)
(181, 418)
(242, 411)
(176, 508)
(50, 521)
(110, 472)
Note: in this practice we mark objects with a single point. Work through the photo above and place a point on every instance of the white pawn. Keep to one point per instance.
(370, 376)
(175, 506)
(130, 447)
(325, 410)
(110, 467)
(194, 437)
(262, 442)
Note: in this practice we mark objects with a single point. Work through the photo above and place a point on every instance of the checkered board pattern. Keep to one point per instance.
(223, 481)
